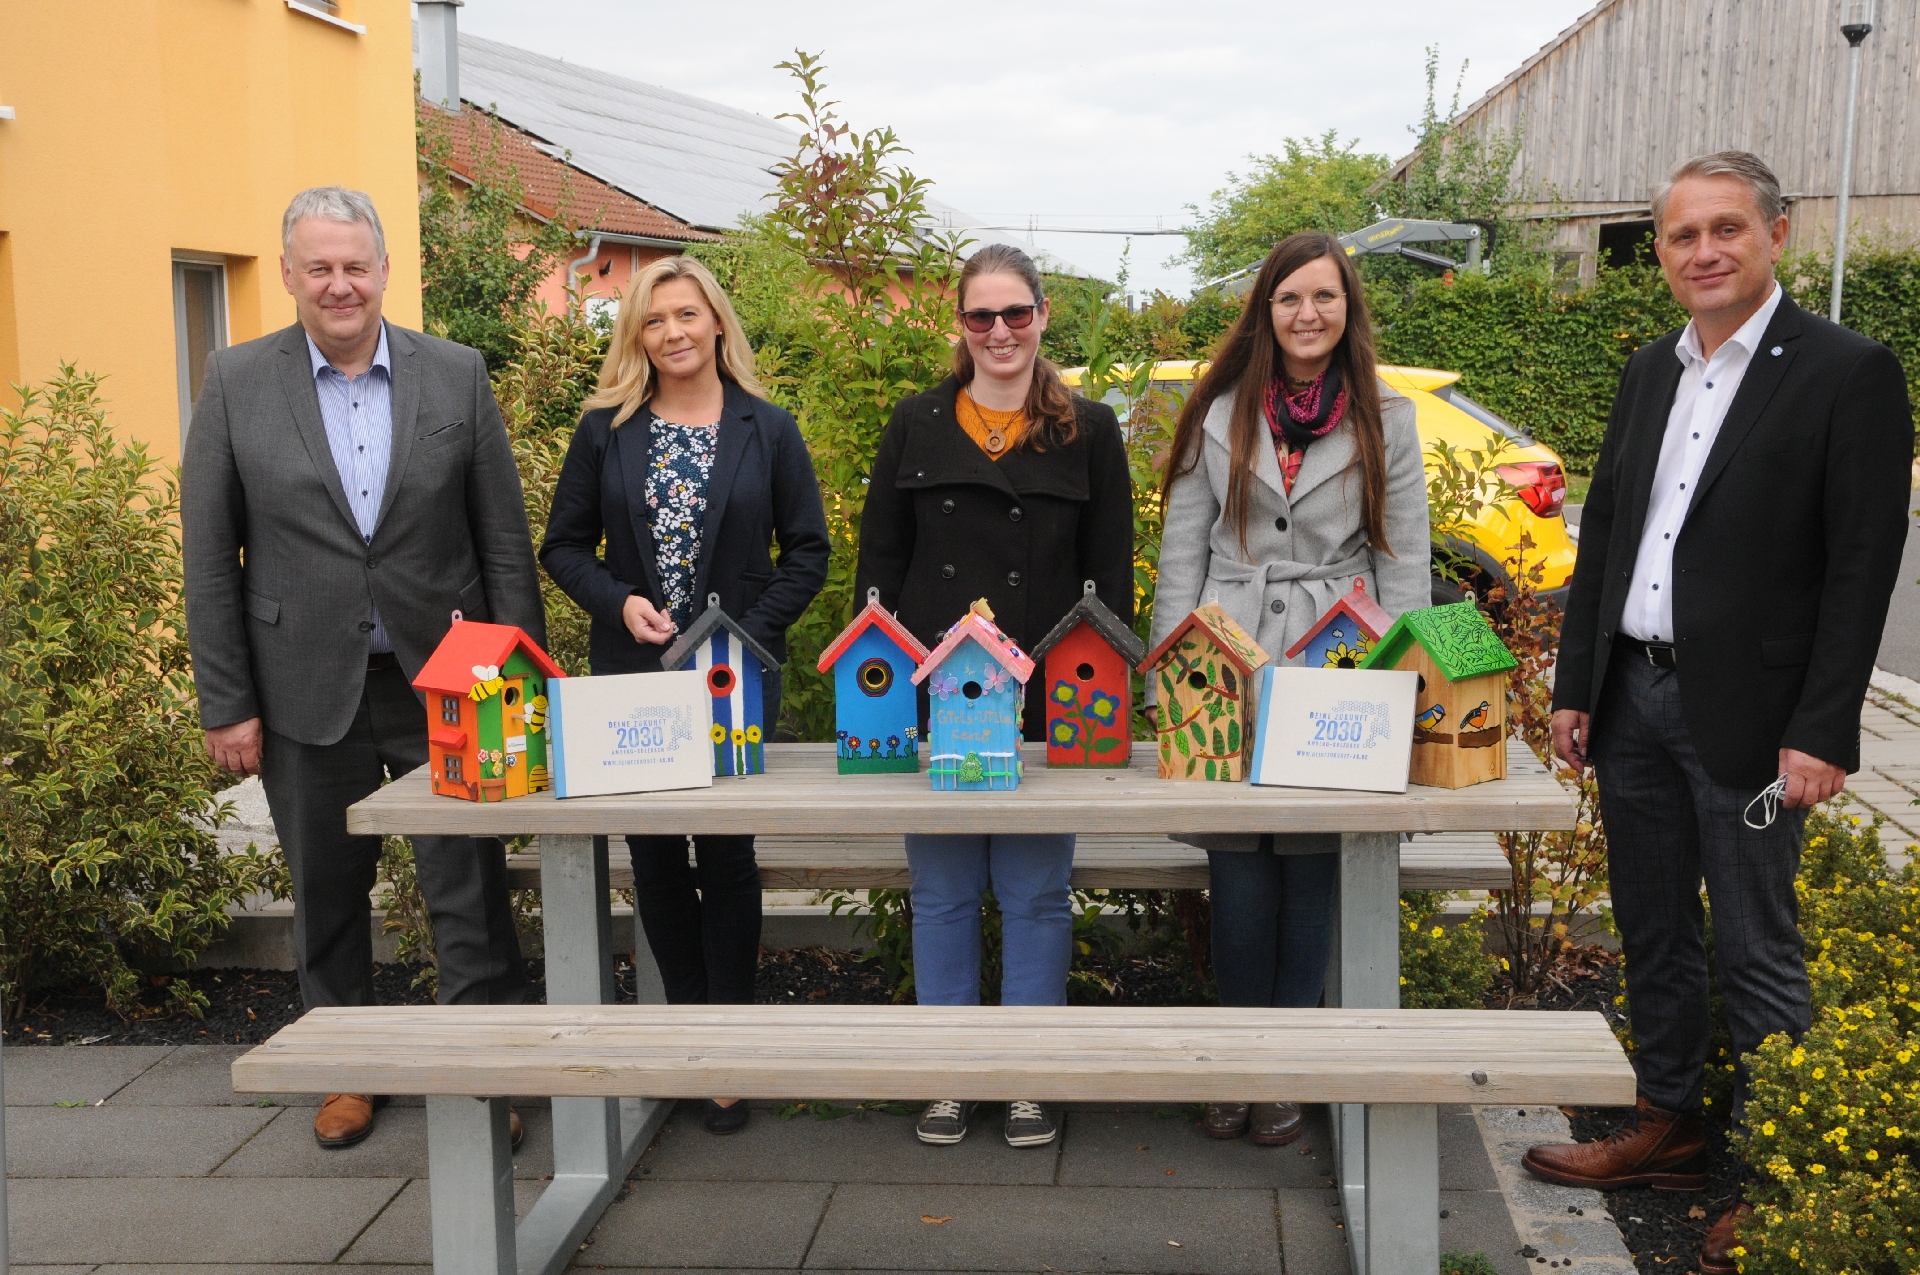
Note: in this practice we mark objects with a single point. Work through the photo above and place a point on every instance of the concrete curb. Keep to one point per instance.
(1567, 1227)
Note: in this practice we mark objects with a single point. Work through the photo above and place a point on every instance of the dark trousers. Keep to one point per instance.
(1272, 923)
(463, 879)
(1670, 825)
(702, 923)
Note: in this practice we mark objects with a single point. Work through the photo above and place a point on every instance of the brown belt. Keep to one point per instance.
(1658, 654)
(382, 660)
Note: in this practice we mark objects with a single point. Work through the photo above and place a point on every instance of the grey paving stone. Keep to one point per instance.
(126, 1142)
(198, 1076)
(204, 1219)
(708, 1224)
(403, 1233)
(870, 1147)
(999, 1228)
(1463, 1153)
(41, 1076)
(1103, 1148)
(1478, 1222)
(50, 1270)
(397, 1148)
(1310, 1240)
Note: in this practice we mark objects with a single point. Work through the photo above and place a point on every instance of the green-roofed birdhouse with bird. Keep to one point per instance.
(1460, 711)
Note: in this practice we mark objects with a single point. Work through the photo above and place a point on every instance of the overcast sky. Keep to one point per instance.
(1114, 115)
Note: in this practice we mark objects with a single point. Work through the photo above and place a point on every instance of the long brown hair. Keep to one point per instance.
(1049, 405)
(1249, 357)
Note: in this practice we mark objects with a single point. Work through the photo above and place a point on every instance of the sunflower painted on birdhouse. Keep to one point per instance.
(976, 683)
(876, 712)
(1344, 633)
(1460, 712)
(1202, 675)
(733, 662)
(486, 689)
(1088, 674)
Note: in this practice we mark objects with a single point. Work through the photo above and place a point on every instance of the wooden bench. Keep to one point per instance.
(1391, 1068)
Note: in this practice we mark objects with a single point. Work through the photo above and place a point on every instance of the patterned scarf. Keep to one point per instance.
(1298, 419)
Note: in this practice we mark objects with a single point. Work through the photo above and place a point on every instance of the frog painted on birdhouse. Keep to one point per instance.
(1344, 633)
(1460, 711)
(1087, 661)
(1202, 675)
(487, 712)
(733, 663)
(875, 709)
(976, 681)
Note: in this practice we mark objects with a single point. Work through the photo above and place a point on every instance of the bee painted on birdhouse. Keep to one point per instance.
(1088, 661)
(875, 709)
(1460, 712)
(1344, 633)
(487, 712)
(976, 684)
(1202, 676)
(734, 663)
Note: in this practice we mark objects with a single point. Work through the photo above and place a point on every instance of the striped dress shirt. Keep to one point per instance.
(358, 414)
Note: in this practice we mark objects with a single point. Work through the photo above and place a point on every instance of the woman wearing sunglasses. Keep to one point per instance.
(1293, 473)
(996, 483)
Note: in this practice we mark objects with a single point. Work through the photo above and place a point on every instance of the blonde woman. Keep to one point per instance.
(688, 476)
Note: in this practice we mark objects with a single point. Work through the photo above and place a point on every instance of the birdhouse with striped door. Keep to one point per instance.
(1202, 676)
(875, 708)
(1460, 709)
(486, 689)
(1345, 631)
(976, 682)
(734, 664)
(1088, 661)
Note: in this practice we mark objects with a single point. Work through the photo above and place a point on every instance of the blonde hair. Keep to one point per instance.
(626, 378)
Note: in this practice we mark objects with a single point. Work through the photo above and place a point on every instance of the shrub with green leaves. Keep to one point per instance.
(1442, 966)
(105, 858)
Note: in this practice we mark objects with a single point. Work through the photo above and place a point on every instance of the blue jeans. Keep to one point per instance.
(1028, 875)
(1272, 925)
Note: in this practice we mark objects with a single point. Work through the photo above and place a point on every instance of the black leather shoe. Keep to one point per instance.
(719, 1119)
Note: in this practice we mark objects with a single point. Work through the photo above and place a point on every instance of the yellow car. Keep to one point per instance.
(1443, 413)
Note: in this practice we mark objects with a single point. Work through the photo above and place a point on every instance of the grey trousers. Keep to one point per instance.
(1669, 825)
(463, 879)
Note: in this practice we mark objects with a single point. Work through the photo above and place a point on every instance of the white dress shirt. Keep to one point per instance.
(358, 414)
(1707, 387)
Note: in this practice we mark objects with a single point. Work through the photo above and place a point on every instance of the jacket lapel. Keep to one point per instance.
(1327, 458)
(633, 442)
(736, 428)
(405, 374)
(1218, 426)
(304, 402)
(939, 451)
(1765, 371)
(1651, 426)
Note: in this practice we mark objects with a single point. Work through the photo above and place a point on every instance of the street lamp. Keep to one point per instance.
(1856, 20)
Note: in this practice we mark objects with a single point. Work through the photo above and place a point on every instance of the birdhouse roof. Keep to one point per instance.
(1233, 641)
(1091, 611)
(873, 615)
(987, 634)
(1456, 637)
(702, 628)
(449, 670)
(1355, 603)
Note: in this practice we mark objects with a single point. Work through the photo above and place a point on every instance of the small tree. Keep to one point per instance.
(1319, 183)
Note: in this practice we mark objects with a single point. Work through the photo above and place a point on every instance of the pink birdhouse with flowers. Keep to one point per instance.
(976, 681)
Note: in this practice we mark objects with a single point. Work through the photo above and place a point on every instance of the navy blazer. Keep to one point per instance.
(762, 489)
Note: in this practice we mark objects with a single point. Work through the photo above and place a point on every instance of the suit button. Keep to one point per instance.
(947, 571)
(1013, 579)
(366, 626)
(1280, 524)
(946, 506)
(372, 563)
(1276, 606)
(1015, 514)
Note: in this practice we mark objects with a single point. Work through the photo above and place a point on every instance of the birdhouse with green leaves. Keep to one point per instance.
(1202, 676)
(1460, 710)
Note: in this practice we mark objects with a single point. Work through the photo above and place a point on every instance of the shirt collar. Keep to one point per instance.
(380, 358)
(1747, 338)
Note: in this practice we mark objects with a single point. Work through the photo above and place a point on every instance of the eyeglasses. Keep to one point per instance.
(1016, 317)
(1289, 303)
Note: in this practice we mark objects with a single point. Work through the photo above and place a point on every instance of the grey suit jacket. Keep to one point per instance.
(281, 586)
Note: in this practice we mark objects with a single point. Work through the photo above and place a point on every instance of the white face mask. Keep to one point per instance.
(1768, 800)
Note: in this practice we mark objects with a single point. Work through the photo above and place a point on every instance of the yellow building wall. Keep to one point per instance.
(148, 127)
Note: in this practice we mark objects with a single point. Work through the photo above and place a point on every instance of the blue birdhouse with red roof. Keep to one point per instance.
(734, 664)
(1088, 661)
(976, 682)
(875, 709)
(487, 712)
(1345, 631)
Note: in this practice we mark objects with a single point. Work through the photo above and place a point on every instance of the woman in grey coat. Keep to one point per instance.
(1293, 473)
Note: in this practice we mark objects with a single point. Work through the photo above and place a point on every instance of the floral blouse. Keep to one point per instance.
(680, 463)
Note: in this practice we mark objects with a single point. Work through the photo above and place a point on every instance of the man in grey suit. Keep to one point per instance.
(348, 489)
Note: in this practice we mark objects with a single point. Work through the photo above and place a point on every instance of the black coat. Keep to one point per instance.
(945, 525)
(1788, 555)
(762, 489)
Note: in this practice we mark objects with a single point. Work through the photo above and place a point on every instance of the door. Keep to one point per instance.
(513, 733)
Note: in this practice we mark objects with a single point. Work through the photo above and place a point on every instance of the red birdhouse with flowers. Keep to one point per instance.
(1088, 663)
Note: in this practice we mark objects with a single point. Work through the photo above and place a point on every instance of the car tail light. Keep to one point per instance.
(1539, 483)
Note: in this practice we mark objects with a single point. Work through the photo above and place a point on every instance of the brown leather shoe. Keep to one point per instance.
(514, 1131)
(344, 1119)
(1275, 1124)
(1661, 1149)
(1715, 1259)
(1225, 1119)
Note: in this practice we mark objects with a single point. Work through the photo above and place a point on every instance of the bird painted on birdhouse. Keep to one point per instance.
(1477, 718)
(1461, 661)
(1431, 718)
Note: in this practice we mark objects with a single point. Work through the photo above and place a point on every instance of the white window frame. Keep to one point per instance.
(222, 331)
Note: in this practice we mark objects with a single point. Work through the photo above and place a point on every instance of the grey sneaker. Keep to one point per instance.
(1031, 1125)
(943, 1123)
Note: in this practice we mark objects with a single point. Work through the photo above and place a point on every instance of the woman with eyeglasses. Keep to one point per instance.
(1293, 473)
(999, 484)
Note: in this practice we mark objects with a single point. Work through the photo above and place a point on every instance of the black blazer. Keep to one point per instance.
(762, 489)
(944, 525)
(1788, 555)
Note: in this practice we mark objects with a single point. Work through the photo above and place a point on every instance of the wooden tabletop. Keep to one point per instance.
(801, 793)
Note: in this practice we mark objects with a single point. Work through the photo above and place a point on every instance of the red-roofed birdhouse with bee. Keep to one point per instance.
(487, 712)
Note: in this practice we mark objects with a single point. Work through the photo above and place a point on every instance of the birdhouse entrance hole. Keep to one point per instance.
(720, 679)
(511, 696)
(971, 690)
(876, 677)
(1084, 672)
(1197, 680)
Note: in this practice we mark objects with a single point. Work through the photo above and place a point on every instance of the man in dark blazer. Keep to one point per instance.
(348, 489)
(1737, 552)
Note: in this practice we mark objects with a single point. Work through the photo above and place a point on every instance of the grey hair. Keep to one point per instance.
(333, 203)
(1741, 165)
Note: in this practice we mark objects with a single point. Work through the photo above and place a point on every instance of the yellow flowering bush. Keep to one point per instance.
(1441, 966)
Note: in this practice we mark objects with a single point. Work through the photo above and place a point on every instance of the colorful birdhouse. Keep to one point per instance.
(976, 682)
(1088, 661)
(733, 663)
(1344, 634)
(1460, 711)
(1203, 678)
(486, 689)
(876, 712)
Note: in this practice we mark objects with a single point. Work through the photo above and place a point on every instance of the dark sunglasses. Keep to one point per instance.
(1016, 316)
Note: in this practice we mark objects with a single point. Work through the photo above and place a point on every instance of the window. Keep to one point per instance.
(453, 768)
(1624, 243)
(449, 710)
(199, 325)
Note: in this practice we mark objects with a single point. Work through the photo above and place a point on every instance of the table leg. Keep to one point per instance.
(1403, 1189)
(1365, 975)
(470, 1185)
